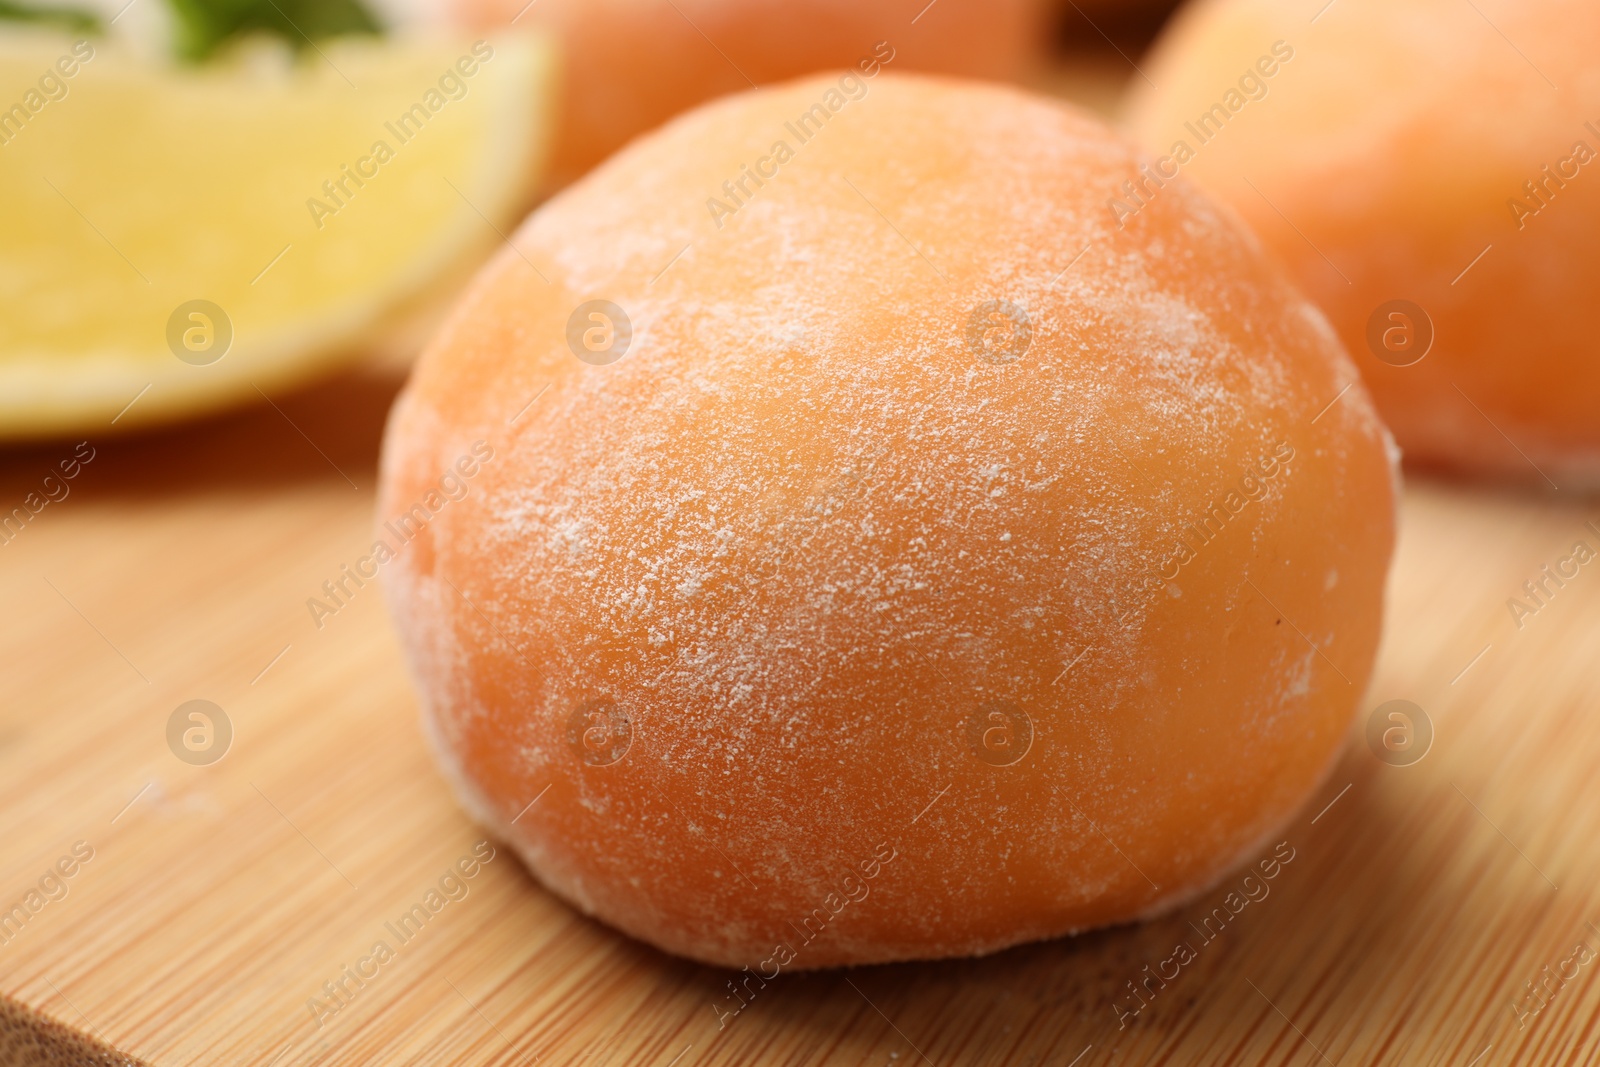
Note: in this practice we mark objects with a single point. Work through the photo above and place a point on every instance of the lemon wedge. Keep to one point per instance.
(173, 240)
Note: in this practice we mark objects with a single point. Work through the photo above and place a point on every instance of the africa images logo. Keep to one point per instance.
(340, 190)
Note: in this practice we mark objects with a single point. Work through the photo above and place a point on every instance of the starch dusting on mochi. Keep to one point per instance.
(886, 551)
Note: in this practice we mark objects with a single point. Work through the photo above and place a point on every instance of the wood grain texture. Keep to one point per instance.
(220, 898)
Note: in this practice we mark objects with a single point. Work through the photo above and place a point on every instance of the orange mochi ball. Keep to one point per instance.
(632, 64)
(1430, 171)
(895, 561)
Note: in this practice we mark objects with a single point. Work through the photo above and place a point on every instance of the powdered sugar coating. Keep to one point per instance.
(803, 531)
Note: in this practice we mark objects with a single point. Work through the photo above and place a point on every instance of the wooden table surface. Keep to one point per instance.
(216, 900)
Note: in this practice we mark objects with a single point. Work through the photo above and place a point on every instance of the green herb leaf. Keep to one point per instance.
(72, 18)
(204, 25)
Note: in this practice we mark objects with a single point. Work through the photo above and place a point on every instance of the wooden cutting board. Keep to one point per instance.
(206, 905)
